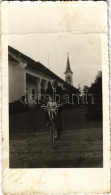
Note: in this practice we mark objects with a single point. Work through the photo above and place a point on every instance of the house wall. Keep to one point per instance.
(31, 85)
(17, 81)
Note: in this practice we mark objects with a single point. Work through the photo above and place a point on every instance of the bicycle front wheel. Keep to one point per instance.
(52, 135)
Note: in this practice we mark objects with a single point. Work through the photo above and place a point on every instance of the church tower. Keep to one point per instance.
(68, 73)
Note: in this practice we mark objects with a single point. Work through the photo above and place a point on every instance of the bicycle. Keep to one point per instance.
(52, 112)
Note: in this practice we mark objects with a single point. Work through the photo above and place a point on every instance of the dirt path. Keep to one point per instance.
(77, 148)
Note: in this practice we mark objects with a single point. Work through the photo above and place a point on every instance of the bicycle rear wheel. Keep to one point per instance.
(52, 135)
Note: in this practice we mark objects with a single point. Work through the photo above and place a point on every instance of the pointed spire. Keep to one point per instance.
(68, 69)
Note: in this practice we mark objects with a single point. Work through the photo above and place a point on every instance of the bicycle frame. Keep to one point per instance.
(52, 112)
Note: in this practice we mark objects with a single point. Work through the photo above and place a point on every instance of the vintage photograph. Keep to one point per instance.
(55, 116)
(55, 100)
(55, 97)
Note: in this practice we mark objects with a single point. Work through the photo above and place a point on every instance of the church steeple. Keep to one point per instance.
(68, 69)
(68, 73)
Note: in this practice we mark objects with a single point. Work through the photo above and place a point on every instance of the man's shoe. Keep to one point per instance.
(57, 137)
(47, 124)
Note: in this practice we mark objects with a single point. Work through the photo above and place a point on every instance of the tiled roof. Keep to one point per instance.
(36, 65)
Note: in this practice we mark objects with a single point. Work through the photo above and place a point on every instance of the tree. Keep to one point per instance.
(96, 87)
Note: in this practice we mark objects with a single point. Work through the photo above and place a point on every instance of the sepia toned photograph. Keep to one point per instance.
(55, 101)
(55, 97)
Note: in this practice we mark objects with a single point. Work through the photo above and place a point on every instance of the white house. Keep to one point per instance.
(28, 76)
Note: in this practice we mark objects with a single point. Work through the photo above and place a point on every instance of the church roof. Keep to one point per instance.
(68, 68)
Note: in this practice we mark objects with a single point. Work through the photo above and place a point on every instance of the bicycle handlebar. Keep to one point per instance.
(50, 108)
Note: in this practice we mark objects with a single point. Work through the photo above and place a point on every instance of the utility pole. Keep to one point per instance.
(48, 61)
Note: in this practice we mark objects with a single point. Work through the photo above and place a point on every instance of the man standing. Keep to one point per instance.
(55, 94)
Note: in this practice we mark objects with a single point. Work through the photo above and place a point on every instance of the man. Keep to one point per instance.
(55, 94)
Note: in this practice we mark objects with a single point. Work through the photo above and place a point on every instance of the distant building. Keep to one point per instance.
(68, 73)
(31, 78)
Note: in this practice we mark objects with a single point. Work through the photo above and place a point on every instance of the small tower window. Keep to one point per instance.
(68, 79)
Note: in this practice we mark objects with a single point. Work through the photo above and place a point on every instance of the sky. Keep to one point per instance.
(47, 33)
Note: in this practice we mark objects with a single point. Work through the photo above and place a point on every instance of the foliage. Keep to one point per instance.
(96, 87)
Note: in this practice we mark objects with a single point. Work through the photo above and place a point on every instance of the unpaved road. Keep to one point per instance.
(76, 148)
